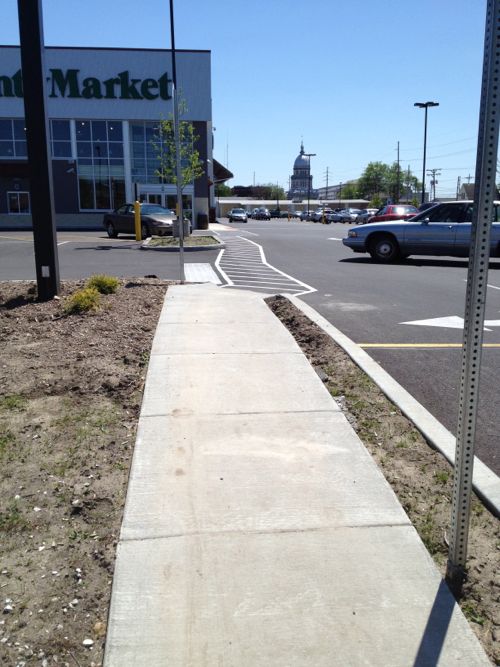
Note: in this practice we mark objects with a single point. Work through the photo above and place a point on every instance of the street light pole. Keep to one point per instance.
(425, 105)
(180, 208)
(309, 155)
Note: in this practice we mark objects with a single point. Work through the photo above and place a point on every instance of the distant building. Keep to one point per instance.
(301, 186)
(467, 191)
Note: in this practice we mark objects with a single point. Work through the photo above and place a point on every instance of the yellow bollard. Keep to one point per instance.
(137, 219)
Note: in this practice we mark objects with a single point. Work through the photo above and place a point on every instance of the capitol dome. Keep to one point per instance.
(301, 161)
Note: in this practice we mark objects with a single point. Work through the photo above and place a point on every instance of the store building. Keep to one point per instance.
(104, 108)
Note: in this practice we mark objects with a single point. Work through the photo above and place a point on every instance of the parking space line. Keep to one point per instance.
(16, 238)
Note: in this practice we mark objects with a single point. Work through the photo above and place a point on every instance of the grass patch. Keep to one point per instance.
(13, 402)
(189, 241)
(6, 440)
(12, 520)
(84, 424)
(472, 613)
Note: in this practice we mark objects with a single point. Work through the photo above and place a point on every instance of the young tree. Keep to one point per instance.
(164, 147)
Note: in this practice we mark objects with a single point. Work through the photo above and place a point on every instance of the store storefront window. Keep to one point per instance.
(18, 203)
(144, 158)
(12, 138)
(60, 138)
(101, 173)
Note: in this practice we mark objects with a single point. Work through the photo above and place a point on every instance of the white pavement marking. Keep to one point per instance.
(199, 272)
(488, 285)
(294, 280)
(450, 322)
(220, 270)
(243, 264)
(333, 238)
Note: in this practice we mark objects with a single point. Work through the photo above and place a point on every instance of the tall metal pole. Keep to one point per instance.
(425, 105)
(35, 113)
(398, 193)
(425, 151)
(477, 279)
(180, 208)
(309, 178)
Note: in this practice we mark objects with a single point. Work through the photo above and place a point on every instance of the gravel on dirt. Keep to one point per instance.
(70, 395)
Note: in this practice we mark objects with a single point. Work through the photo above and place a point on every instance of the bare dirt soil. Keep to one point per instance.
(421, 477)
(70, 394)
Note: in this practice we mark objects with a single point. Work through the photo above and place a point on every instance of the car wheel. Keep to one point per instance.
(144, 231)
(110, 229)
(384, 248)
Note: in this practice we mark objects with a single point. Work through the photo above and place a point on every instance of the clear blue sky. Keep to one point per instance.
(341, 75)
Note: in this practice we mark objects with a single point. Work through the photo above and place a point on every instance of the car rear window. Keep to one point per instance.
(402, 210)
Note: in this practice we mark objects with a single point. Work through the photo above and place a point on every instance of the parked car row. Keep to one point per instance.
(443, 229)
(349, 215)
(259, 213)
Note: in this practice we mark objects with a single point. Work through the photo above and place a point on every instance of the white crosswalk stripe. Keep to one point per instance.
(243, 264)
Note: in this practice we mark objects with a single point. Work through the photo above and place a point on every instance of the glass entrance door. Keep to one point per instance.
(155, 199)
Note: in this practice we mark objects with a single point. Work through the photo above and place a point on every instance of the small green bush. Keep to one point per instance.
(103, 284)
(83, 301)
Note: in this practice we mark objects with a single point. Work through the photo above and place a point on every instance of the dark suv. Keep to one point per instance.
(262, 214)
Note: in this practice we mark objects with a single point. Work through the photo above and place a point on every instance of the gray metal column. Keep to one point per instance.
(477, 279)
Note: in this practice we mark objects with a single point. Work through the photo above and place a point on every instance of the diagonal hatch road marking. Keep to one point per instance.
(243, 264)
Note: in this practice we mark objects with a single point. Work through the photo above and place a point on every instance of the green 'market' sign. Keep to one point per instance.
(68, 83)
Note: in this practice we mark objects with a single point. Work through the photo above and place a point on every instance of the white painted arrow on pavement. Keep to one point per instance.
(450, 322)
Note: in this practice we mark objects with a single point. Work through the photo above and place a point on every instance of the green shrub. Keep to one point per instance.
(103, 284)
(83, 301)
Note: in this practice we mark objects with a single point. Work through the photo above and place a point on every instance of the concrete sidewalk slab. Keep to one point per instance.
(232, 473)
(345, 597)
(257, 529)
(254, 337)
(189, 384)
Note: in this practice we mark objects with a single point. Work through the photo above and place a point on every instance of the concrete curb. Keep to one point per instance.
(216, 246)
(485, 482)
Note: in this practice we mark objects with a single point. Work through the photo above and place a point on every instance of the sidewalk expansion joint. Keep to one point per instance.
(270, 531)
(225, 353)
(190, 415)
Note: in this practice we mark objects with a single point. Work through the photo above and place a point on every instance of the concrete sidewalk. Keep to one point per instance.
(257, 529)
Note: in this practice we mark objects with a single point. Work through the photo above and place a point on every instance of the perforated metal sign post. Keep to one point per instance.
(477, 279)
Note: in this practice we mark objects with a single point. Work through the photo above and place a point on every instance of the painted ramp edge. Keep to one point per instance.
(486, 483)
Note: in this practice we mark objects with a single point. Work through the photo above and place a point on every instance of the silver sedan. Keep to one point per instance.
(444, 229)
